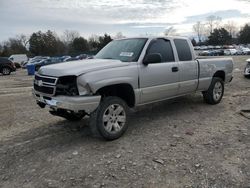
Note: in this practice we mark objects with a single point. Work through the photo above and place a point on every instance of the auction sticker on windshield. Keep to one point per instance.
(126, 54)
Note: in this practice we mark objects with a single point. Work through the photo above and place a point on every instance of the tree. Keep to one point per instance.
(104, 40)
(79, 45)
(93, 42)
(219, 37)
(47, 44)
(170, 31)
(199, 29)
(1, 49)
(244, 35)
(24, 40)
(231, 27)
(119, 35)
(69, 36)
(13, 46)
(213, 22)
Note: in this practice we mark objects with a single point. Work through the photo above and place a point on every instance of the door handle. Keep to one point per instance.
(175, 69)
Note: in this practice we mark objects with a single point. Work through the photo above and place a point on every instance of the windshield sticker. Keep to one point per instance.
(127, 54)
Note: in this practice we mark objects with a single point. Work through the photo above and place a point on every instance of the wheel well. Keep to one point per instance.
(220, 74)
(124, 91)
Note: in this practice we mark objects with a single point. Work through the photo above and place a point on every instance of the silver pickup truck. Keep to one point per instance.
(127, 73)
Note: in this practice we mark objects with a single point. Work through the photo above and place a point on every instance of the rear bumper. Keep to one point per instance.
(72, 103)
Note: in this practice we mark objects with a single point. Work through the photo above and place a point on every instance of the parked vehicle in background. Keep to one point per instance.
(128, 73)
(82, 56)
(71, 59)
(245, 51)
(218, 52)
(247, 69)
(34, 60)
(65, 57)
(211, 53)
(230, 52)
(6, 66)
(45, 62)
(204, 53)
(18, 59)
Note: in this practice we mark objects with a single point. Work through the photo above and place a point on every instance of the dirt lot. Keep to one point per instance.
(177, 143)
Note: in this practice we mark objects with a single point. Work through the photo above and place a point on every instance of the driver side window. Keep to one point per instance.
(164, 48)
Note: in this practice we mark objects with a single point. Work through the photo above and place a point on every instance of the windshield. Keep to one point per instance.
(126, 50)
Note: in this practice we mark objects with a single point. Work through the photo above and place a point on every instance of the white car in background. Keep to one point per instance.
(247, 69)
(230, 52)
(245, 51)
(18, 58)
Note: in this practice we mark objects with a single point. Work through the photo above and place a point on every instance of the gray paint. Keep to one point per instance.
(157, 81)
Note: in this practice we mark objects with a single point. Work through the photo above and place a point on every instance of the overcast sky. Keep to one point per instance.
(131, 17)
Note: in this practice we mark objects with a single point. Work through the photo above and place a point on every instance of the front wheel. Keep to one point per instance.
(215, 91)
(110, 119)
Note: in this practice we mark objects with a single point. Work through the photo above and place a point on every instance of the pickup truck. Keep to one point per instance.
(125, 74)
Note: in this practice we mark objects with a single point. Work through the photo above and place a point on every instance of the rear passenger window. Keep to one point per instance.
(162, 47)
(183, 50)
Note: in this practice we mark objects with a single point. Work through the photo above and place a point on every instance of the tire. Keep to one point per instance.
(70, 116)
(246, 76)
(110, 119)
(6, 71)
(215, 91)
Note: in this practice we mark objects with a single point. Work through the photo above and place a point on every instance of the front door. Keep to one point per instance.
(159, 80)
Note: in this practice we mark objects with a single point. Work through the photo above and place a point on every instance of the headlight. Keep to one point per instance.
(83, 90)
(66, 85)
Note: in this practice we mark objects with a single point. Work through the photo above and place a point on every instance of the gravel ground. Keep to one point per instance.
(178, 143)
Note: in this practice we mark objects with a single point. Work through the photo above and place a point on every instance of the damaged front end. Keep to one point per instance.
(62, 96)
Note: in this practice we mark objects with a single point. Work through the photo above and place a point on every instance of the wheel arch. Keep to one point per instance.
(123, 90)
(220, 74)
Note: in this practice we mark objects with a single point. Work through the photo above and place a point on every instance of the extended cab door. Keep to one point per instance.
(188, 66)
(159, 80)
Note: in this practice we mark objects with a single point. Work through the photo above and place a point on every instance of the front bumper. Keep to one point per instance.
(72, 103)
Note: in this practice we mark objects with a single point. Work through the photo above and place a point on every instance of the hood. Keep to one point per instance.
(79, 67)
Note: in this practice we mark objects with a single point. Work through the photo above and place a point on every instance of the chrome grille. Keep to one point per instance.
(45, 85)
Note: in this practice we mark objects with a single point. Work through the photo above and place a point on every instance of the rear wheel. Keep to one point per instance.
(110, 119)
(215, 91)
(6, 71)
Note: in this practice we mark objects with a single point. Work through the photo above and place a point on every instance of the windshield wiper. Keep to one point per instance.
(108, 58)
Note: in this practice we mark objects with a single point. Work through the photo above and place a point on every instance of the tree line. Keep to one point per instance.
(49, 44)
(210, 32)
(213, 32)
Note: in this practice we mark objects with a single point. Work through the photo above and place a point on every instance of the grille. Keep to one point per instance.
(45, 79)
(44, 89)
(45, 85)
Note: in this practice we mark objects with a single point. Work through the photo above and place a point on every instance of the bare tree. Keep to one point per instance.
(119, 35)
(199, 30)
(170, 31)
(213, 22)
(232, 28)
(69, 36)
(24, 39)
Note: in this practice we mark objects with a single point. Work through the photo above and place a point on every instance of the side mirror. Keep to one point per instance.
(152, 58)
